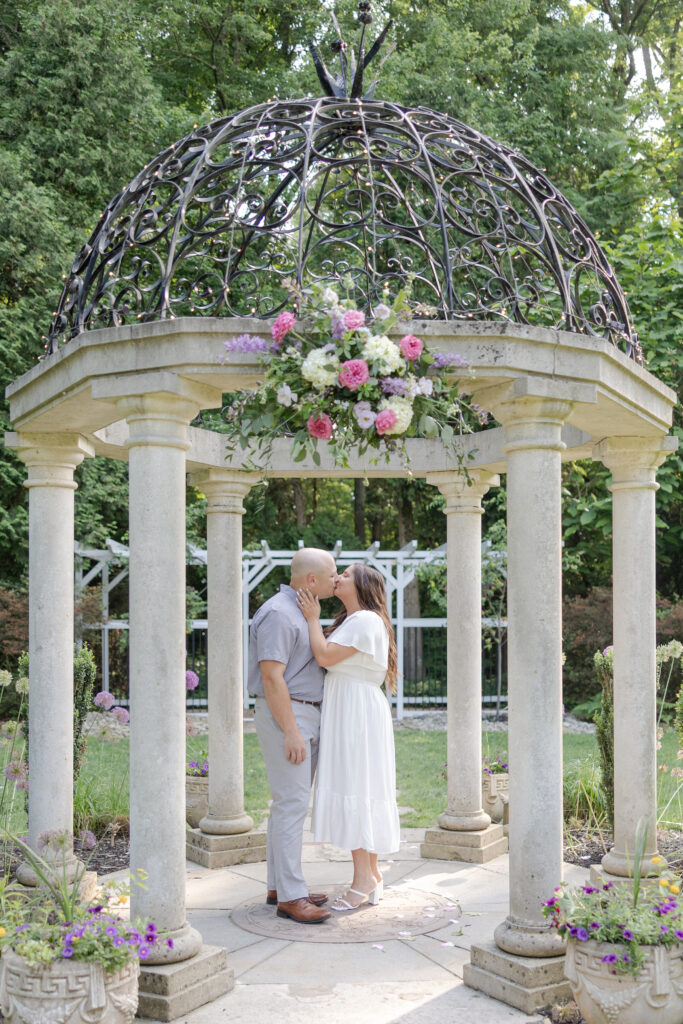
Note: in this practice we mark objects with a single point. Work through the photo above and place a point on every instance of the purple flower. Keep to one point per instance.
(143, 952)
(246, 343)
(582, 934)
(628, 934)
(16, 771)
(104, 699)
(87, 839)
(111, 931)
(392, 385)
(337, 324)
(679, 934)
(664, 929)
(121, 715)
(611, 958)
(67, 952)
(442, 359)
(594, 926)
(626, 958)
(169, 943)
(150, 927)
(96, 910)
(118, 941)
(191, 680)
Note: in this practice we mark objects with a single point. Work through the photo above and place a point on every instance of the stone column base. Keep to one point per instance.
(223, 851)
(474, 847)
(526, 982)
(599, 876)
(168, 991)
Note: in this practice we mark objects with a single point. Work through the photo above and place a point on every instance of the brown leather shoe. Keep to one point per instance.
(317, 898)
(303, 911)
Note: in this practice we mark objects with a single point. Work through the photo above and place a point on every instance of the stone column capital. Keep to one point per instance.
(158, 419)
(225, 489)
(50, 458)
(633, 461)
(463, 490)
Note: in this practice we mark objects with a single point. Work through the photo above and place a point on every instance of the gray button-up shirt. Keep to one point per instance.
(279, 632)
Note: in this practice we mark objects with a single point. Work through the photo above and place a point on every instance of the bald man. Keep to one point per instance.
(287, 684)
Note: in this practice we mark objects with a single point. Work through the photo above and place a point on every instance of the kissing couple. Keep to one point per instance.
(319, 704)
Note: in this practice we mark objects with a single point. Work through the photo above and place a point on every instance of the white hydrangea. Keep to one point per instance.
(321, 368)
(382, 351)
(403, 410)
(330, 297)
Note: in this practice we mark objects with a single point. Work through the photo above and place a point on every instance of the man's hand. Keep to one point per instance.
(295, 747)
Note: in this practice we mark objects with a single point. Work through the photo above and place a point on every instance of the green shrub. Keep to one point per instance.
(584, 794)
(604, 727)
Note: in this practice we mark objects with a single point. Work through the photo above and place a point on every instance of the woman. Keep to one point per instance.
(355, 795)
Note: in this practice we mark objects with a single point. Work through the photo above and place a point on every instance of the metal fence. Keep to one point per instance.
(423, 684)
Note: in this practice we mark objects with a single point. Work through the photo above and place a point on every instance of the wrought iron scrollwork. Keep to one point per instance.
(340, 188)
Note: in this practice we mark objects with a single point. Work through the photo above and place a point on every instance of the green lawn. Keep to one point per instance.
(102, 790)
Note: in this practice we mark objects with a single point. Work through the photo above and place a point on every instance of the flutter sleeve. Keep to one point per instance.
(365, 631)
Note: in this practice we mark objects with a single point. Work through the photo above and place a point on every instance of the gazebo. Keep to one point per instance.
(194, 251)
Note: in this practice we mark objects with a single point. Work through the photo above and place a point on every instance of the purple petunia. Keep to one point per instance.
(143, 952)
(119, 941)
(679, 934)
(582, 934)
(111, 931)
(610, 958)
(67, 952)
(627, 933)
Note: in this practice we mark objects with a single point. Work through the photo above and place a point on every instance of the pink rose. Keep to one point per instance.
(282, 326)
(411, 347)
(353, 374)
(353, 319)
(320, 425)
(385, 421)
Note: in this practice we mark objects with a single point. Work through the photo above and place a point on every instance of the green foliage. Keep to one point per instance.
(85, 671)
(583, 792)
(604, 726)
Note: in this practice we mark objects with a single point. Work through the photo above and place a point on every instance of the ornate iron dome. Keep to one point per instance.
(342, 188)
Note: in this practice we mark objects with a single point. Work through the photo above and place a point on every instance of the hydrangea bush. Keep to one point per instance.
(343, 380)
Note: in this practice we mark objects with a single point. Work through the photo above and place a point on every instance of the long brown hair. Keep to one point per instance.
(372, 597)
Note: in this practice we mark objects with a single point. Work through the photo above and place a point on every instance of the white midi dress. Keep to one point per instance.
(354, 805)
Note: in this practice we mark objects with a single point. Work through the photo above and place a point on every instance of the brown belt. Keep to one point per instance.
(315, 703)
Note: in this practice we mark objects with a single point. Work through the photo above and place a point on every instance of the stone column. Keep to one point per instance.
(465, 832)
(220, 839)
(157, 445)
(51, 460)
(633, 462)
(533, 446)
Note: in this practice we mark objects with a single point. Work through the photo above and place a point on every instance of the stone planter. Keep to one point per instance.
(67, 992)
(196, 798)
(495, 794)
(654, 997)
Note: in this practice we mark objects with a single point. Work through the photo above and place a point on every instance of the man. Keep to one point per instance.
(287, 683)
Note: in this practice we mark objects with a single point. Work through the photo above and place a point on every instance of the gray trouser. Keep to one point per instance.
(290, 788)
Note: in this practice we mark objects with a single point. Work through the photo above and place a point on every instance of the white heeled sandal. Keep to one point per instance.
(368, 897)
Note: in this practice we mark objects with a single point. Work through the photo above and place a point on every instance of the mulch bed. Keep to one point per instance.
(586, 846)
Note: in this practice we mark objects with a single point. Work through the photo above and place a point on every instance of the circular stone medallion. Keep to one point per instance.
(402, 914)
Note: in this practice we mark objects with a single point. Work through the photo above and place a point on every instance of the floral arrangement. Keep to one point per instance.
(627, 918)
(51, 923)
(494, 766)
(340, 379)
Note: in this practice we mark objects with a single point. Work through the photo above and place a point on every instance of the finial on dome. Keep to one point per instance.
(349, 83)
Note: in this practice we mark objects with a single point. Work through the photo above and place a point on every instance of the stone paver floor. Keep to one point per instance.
(384, 968)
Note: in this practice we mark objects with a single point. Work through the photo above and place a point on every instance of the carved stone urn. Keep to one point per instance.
(655, 996)
(67, 992)
(495, 794)
(196, 798)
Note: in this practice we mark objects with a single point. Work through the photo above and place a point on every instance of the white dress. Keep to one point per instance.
(354, 805)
